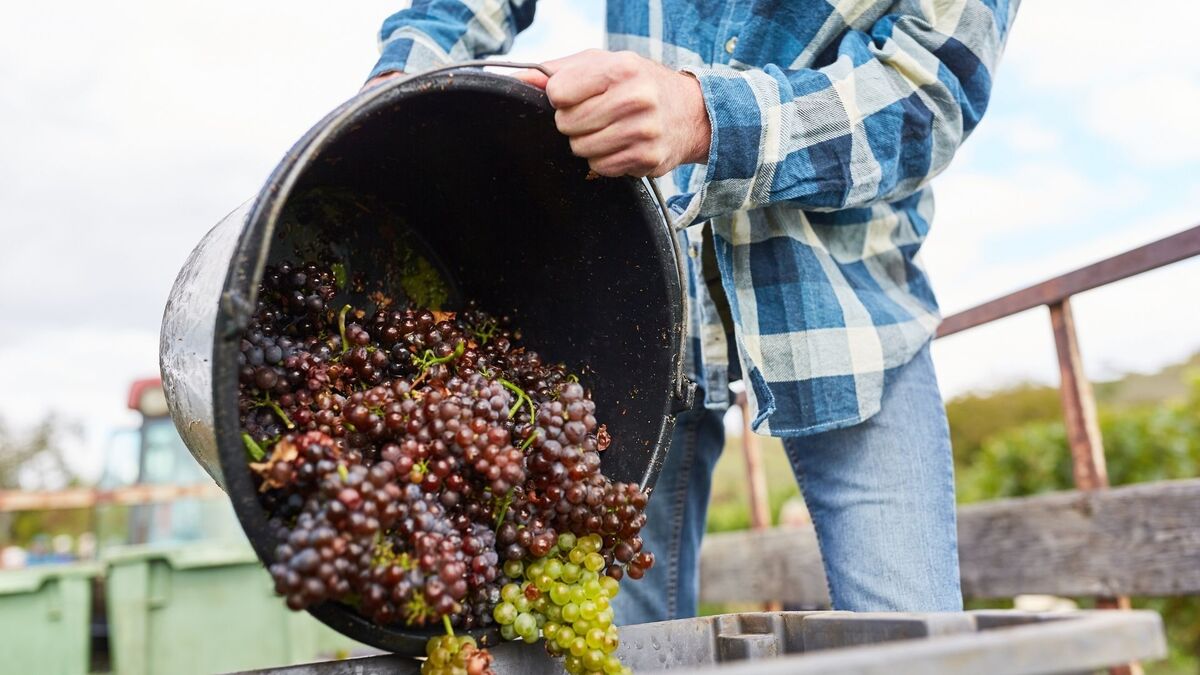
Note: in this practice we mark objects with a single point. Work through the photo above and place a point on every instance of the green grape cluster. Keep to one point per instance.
(565, 599)
(455, 655)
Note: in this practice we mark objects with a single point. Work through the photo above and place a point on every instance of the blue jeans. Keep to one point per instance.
(881, 496)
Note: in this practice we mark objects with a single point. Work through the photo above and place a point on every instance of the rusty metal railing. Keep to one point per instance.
(1088, 466)
(1079, 405)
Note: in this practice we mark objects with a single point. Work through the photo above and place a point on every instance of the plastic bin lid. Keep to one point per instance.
(184, 556)
(30, 579)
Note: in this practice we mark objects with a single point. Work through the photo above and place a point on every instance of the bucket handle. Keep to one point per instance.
(481, 63)
(685, 389)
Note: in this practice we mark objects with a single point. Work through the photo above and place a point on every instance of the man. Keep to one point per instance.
(800, 135)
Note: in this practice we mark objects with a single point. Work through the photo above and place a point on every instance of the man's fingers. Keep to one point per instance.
(611, 139)
(622, 163)
(574, 85)
(598, 112)
(593, 114)
(532, 76)
(578, 77)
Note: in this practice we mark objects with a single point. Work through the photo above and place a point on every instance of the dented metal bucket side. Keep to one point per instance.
(186, 341)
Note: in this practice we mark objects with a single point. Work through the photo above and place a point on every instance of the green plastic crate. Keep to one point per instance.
(205, 609)
(45, 614)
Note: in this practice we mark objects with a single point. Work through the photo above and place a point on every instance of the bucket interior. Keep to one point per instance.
(458, 187)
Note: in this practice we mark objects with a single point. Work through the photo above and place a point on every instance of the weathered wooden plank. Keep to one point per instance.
(781, 564)
(1135, 540)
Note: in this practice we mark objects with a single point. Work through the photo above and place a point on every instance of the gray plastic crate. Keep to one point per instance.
(845, 643)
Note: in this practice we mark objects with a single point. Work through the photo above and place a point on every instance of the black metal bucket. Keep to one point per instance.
(461, 182)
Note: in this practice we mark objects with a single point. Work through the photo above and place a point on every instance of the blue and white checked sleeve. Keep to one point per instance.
(874, 125)
(433, 33)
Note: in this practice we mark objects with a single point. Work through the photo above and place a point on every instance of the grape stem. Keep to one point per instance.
(522, 397)
(266, 402)
(485, 331)
(446, 623)
(253, 449)
(428, 360)
(342, 326)
(529, 441)
(504, 509)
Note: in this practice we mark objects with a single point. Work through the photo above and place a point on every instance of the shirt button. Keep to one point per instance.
(731, 44)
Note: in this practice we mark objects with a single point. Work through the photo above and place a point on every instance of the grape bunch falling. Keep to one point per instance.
(429, 470)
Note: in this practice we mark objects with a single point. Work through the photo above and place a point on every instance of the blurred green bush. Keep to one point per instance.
(1142, 442)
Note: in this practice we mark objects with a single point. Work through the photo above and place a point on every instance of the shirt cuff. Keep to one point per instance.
(734, 151)
(410, 52)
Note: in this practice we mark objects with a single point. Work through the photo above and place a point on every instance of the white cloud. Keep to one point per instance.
(561, 28)
(1123, 70)
(1153, 119)
(993, 356)
(1026, 135)
(1073, 44)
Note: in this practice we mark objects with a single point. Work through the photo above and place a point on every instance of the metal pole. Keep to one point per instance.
(1079, 406)
(1083, 429)
(756, 480)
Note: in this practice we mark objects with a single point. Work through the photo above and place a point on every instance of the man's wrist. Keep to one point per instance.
(698, 125)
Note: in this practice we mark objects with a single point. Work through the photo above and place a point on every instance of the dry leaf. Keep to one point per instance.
(603, 439)
(283, 451)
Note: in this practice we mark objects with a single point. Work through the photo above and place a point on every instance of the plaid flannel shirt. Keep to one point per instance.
(828, 120)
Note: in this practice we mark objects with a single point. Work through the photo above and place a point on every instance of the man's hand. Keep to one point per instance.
(627, 115)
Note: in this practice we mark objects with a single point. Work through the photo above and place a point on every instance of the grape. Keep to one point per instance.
(448, 654)
(423, 466)
(577, 620)
(505, 613)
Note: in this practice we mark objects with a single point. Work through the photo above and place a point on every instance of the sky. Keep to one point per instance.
(129, 128)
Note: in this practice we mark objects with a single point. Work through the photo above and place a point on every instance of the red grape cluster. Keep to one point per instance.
(408, 457)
